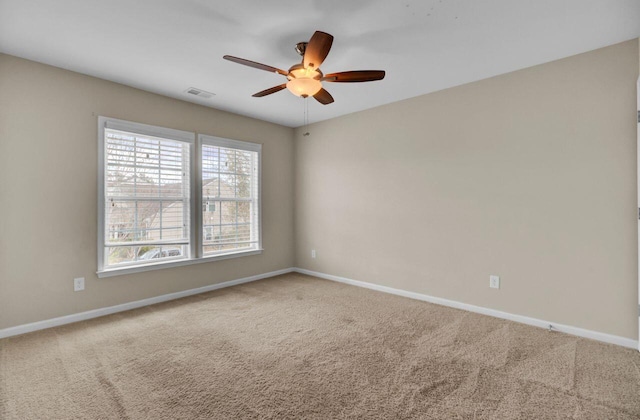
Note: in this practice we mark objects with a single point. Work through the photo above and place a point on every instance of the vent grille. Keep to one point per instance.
(199, 92)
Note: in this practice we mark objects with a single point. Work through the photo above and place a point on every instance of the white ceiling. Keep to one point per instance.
(167, 46)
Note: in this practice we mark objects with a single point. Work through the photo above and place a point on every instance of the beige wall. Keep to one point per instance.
(529, 175)
(48, 196)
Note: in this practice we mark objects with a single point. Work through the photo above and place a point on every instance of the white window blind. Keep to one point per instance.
(230, 179)
(161, 204)
(147, 199)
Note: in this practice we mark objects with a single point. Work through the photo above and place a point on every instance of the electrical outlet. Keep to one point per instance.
(313, 253)
(494, 282)
(78, 284)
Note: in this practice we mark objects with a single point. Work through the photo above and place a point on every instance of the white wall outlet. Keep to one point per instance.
(313, 253)
(494, 282)
(78, 284)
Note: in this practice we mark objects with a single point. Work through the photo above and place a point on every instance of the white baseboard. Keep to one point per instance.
(580, 332)
(68, 319)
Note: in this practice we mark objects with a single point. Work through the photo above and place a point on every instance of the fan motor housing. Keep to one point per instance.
(298, 71)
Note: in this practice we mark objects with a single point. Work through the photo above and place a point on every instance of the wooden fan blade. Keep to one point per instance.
(354, 76)
(317, 49)
(269, 91)
(323, 97)
(255, 65)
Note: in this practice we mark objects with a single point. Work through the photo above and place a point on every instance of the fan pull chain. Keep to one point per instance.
(306, 117)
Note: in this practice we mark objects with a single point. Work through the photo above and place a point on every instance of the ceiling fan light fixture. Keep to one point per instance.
(305, 78)
(304, 81)
(304, 87)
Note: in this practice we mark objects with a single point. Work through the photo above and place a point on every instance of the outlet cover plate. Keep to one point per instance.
(494, 282)
(78, 284)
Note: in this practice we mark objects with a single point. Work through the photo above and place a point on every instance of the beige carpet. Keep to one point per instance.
(300, 347)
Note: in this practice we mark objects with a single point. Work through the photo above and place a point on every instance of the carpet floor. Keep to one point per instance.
(299, 347)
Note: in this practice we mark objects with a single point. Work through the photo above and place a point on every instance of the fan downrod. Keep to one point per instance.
(301, 47)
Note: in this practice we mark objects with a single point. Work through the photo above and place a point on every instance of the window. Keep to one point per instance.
(230, 195)
(150, 198)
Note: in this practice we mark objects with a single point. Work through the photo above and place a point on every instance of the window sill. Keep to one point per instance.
(112, 272)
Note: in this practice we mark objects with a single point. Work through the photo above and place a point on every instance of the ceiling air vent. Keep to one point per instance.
(199, 92)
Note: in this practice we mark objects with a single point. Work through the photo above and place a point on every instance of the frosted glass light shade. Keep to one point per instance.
(304, 86)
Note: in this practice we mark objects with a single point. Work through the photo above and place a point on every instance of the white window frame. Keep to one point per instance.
(204, 139)
(195, 174)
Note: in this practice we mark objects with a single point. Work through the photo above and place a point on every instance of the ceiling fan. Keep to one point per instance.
(305, 79)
